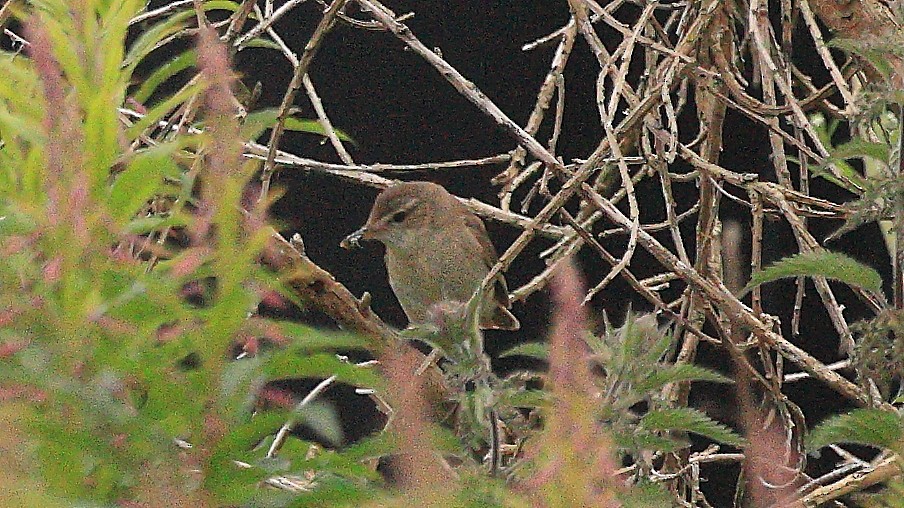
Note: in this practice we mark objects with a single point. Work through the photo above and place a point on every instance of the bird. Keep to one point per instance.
(437, 251)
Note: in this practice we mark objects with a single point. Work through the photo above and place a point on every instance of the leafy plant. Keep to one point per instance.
(128, 276)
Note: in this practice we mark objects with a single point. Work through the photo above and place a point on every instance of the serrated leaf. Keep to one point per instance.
(831, 265)
(640, 439)
(690, 420)
(666, 374)
(858, 148)
(871, 427)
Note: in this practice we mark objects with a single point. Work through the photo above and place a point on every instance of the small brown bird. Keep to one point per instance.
(436, 251)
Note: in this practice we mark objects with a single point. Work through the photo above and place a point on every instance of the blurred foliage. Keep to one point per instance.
(127, 278)
(130, 279)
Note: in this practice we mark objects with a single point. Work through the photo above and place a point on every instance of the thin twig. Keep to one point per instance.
(310, 50)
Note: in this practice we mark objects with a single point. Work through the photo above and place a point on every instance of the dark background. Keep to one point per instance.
(399, 109)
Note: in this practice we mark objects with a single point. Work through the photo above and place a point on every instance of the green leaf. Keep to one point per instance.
(150, 38)
(256, 122)
(260, 42)
(538, 350)
(641, 439)
(843, 168)
(689, 420)
(665, 374)
(645, 494)
(334, 463)
(525, 398)
(312, 127)
(871, 427)
(163, 73)
(259, 121)
(371, 447)
(831, 265)
(859, 148)
(288, 365)
(161, 109)
(307, 338)
(13, 223)
(321, 417)
(224, 5)
(336, 491)
(144, 225)
(877, 56)
(141, 180)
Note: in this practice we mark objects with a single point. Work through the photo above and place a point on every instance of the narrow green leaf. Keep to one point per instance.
(843, 168)
(313, 127)
(144, 225)
(150, 38)
(224, 5)
(163, 73)
(334, 462)
(831, 265)
(259, 121)
(538, 350)
(260, 42)
(525, 398)
(307, 338)
(285, 365)
(256, 122)
(160, 110)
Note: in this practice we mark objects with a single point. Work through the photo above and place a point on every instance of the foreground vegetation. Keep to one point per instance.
(136, 256)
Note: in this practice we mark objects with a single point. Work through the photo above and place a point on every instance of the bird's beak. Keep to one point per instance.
(351, 241)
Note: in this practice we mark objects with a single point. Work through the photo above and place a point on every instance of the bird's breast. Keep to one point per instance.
(436, 269)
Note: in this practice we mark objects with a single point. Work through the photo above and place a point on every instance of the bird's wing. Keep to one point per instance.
(488, 252)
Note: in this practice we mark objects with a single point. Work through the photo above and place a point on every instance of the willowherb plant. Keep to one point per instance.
(130, 273)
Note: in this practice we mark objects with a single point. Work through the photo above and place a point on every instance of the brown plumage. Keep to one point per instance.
(436, 251)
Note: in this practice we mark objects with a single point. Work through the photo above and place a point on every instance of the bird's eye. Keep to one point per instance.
(399, 216)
